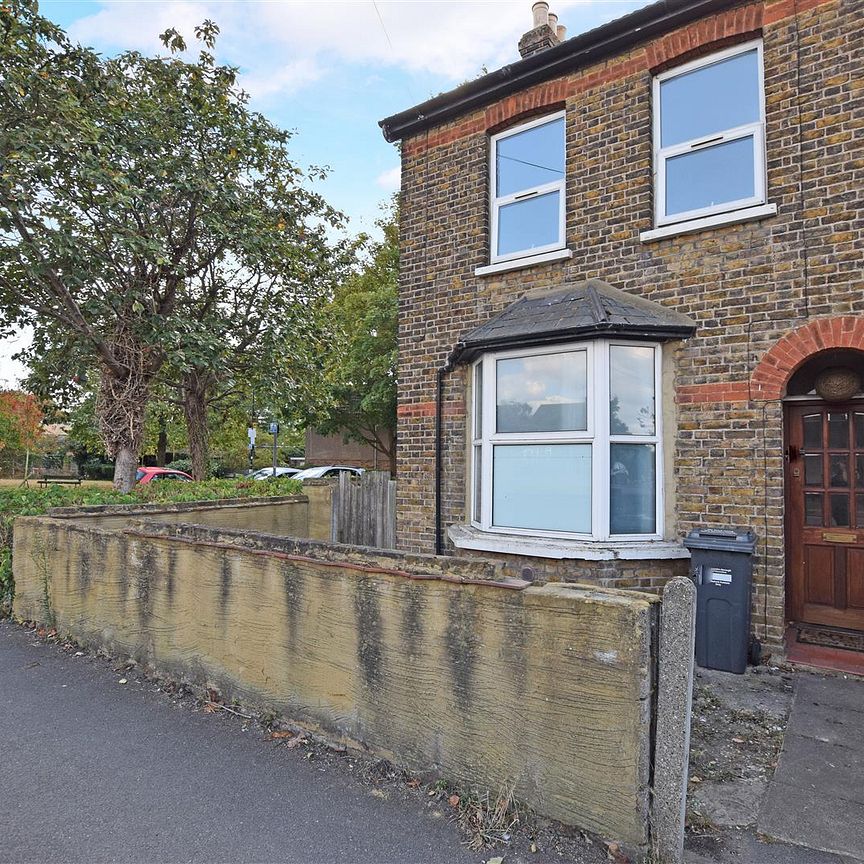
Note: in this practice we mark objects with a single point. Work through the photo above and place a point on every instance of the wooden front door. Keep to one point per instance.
(825, 514)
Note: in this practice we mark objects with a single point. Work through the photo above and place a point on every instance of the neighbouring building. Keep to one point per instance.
(631, 303)
(339, 450)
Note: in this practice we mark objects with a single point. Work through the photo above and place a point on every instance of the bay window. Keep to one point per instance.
(566, 441)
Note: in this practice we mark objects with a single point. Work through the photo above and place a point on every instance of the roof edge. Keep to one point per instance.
(608, 39)
(465, 351)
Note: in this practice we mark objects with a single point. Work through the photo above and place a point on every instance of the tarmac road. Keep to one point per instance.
(93, 771)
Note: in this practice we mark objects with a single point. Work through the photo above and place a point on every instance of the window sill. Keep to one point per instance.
(469, 537)
(707, 222)
(521, 263)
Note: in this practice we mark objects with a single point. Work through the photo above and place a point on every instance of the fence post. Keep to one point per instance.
(672, 736)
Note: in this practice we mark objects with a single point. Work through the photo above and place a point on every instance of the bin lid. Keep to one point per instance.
(722, 539)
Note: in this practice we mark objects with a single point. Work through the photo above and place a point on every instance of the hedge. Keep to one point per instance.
(34, 502)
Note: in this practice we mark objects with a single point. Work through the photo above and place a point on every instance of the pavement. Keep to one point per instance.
(92, 770)
(816, 797)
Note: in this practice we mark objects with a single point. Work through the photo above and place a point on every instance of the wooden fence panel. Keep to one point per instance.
(364, 510)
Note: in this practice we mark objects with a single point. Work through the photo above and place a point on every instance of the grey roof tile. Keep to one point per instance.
(579, 310)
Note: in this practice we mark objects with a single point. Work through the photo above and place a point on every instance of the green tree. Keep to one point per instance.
(361, 363)
(124, 181)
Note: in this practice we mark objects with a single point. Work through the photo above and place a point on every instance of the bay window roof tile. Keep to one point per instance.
(579, 310)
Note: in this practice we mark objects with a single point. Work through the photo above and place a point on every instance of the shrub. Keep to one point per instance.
(35, 502)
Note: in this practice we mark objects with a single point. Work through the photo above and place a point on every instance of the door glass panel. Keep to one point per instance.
(839, 503)
(839, 477)
(631, 390)
(859, 511)
(632, 489)
(543, 393)
(813, 508)
(813, 431)
(859, 470)
(542, 486)
(813, 469)
(859, 429)
(838, 430)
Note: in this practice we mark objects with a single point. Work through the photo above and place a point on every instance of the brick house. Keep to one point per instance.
(630, 303)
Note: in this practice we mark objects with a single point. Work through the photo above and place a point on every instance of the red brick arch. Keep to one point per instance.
(776, 367)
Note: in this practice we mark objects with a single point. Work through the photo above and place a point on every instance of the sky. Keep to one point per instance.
(330, 71)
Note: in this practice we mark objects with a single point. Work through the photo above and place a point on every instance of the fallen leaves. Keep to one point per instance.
(454, 800)
(615, 854)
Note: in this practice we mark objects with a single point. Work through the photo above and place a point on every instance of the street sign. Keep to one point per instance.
(274, 428)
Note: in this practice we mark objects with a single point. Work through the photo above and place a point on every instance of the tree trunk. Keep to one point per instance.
(121, 402)
(195, 385)
(161, 444)
(125, 466)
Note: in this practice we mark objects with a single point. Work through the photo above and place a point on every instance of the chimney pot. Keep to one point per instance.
(561, 32)
(540, 11)
(552, 21)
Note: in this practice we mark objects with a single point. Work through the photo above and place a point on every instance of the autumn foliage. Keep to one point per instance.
(20, 420)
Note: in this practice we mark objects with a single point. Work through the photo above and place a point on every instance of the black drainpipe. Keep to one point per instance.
(439, 434)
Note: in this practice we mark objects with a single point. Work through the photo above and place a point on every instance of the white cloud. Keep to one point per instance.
(391, 179)
(283, 44)
(12, 372)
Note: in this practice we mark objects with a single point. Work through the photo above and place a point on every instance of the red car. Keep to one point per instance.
(151, 475)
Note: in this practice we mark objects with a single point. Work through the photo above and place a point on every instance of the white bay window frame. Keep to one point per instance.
(484, 437)
(496, 202)
(756, 130)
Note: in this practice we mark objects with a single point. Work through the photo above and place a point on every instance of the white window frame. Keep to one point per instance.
(756, 130)
(597, 435)
(496, 202)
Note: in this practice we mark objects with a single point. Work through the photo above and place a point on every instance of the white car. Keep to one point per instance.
(281, 471)
(323, 471)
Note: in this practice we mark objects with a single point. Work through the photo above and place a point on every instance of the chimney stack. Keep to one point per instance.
(546, 32)
(540, 11)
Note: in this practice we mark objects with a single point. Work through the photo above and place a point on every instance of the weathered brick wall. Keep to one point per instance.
(746, 286)
(547, 690)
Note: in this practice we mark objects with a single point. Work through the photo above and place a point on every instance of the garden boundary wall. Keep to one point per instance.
(437, 664)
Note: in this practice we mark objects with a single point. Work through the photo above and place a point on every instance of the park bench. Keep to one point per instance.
(64, 479)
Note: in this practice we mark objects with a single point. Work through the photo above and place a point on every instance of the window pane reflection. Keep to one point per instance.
(529, 224)
(715, 175)
(632, 480)
(859, 429)
(631, 390)
(530, 158)
(543, 393)
(711, 99)
(542, 486)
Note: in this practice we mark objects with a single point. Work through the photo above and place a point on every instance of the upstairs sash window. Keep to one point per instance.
(527, 183)
(709, 135)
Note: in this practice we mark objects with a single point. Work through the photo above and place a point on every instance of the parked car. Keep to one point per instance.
(152, 475)
(281, 471)
(323, 471)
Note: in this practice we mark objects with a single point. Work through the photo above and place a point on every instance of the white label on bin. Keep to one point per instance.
(719, 576)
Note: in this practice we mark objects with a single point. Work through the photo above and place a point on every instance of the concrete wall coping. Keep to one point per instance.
(163, 507)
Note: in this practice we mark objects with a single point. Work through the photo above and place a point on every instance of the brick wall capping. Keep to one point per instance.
(595, 45)
(469, 537)
(578, 311)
